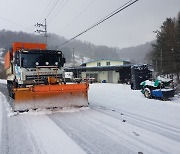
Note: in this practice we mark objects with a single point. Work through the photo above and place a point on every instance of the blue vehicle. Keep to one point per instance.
(161, 89)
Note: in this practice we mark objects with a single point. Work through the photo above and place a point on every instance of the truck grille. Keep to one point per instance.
(42, 77)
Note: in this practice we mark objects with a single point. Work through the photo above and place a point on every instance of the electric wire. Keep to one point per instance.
(18, 10)
(126, 5)
(83, 10)
(45, 11)
(55, 12)
(52, 8)
(53, 17)
(15, 23)
(114, 11)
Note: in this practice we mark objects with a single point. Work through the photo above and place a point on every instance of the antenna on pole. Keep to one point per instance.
(44, 30)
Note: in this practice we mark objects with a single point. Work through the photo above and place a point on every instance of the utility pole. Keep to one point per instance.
(73, 58)
(161, 62)
(44, 26)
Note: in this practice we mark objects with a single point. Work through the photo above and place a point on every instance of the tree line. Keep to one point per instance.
(165, 54)
(81, 49)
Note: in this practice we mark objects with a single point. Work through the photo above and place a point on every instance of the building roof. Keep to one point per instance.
(97, 68)
(121, 60)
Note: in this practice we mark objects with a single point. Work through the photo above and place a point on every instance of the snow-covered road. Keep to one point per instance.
(118, 120)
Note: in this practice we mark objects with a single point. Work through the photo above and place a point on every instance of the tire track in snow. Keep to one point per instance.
(49, 137)
(15, 138)
(3, 89)
(86, 134)
(142, 122)
(145, 140)
(93, 131)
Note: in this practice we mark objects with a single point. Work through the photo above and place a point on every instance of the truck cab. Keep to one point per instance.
(29, 64)
(35, 66)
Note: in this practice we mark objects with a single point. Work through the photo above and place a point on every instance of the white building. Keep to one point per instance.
(103, 70)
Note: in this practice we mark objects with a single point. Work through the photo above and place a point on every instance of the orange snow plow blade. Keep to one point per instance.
(49, 96)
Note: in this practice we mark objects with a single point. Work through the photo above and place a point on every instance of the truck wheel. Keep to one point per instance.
(147, 93)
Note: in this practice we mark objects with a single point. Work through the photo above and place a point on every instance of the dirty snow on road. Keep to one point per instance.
(118, 120)
(34, 133)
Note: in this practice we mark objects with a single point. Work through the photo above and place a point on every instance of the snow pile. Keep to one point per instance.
(176, 98)
(7, 106)
(149, 83)
(1, 58)
(1, 113)
(3, 81)
(164, 79)
(54, 110)
(163, 89)
(78, 61)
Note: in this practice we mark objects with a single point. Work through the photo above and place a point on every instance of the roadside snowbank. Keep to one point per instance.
(3, 81)
(55, 110)
(2, 99)
(121, 97)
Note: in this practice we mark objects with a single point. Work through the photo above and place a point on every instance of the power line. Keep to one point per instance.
(52, 8)
(15, 23)
(53, 17)
(85, 9)
(44, 24)
(56, 11)
(43, 14)
(49, 8)
(126, 5)
(48, 11)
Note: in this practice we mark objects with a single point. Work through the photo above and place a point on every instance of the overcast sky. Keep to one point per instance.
(131, 27)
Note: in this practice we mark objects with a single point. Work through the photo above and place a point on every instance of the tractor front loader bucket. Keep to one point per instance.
(50, 96)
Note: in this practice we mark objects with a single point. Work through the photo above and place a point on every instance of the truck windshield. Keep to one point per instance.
(31, 60)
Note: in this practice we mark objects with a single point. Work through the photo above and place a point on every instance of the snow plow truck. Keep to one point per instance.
(35, 79)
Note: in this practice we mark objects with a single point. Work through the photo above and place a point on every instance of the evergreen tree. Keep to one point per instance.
(165, 55)
(177, 51)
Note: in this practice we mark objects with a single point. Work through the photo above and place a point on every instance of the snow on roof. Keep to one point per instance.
(121, 60)
(163, 79)
(150, 83)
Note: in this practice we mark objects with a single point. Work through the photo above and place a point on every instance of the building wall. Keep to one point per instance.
(108, 76)
(104, 63)
(115, 77)
(102, 75)
(83, 75)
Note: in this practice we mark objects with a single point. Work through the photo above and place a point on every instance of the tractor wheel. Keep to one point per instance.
(147, 93)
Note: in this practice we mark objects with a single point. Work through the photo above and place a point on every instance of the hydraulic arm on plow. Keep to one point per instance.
(35, 79)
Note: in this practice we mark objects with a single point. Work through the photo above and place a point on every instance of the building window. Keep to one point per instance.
(108, 63)
(98, 64)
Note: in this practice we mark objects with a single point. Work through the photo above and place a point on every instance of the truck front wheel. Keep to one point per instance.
(10, 89)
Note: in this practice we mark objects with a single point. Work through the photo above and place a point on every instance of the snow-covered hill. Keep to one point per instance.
(1, 57)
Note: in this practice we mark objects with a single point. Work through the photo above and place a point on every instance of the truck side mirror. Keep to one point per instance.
(22, 62)
(16, 59)
(63, 61)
